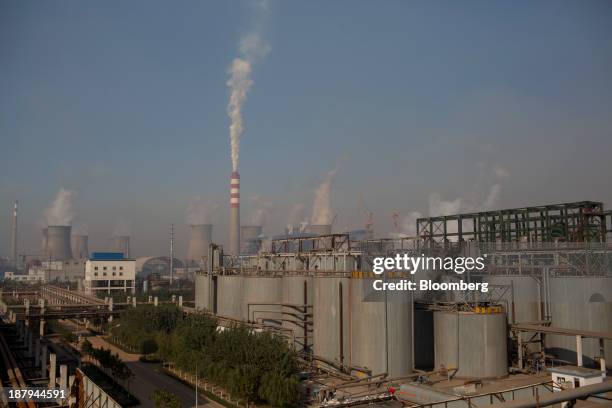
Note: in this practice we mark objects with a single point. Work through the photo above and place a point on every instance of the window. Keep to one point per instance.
(96, 273)
(104, 273)
(114, 273)
(121, 268)
(104, 267)
(120, 273)
(114, 268)
(96, 268)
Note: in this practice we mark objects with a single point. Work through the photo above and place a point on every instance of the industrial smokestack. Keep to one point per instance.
(14, 241)
(121, 244)
(320, 229)
(58, 242)
(234, 244)
(201, 237)
(80, 248)
(251, 239)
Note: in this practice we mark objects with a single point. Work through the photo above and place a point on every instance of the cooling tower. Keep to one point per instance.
(251, 239)
(201, 237)
(58, 242)
(80, 248)
(122, 244)
(320, 229)
(44, 240)
(234, 244)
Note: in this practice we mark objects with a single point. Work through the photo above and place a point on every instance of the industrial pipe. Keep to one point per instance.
(557, 397)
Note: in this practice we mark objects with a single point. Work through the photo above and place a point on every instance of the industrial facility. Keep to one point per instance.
(549, 303)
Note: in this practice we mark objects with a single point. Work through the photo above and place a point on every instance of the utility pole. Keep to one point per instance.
(14, 241)
(171, 253)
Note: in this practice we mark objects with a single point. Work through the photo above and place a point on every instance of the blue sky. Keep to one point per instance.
(124, 102)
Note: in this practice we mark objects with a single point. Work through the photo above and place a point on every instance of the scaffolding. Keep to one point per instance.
(584, 221)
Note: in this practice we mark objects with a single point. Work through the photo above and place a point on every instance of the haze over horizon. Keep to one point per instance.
(417, 107)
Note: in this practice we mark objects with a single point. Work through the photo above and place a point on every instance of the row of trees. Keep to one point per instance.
(255, 367)
(110, 363)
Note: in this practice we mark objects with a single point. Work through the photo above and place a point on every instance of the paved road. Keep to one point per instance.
(149, 377)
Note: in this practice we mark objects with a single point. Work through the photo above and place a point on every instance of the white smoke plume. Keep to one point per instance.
(61, 211)
(477, 200)
(201, 211)
(260, 211)
(252, 48)
(297, 214)
(321, 208)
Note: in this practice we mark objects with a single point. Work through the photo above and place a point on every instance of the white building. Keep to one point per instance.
(568, 376)
(109, 271)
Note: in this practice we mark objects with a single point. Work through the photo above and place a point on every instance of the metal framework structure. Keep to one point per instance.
(575, 222)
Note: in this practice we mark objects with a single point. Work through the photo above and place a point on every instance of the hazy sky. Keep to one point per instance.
(419, 105)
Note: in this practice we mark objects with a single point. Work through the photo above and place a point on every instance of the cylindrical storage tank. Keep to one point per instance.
(331, 318)
(480, 341)
(250, 236)
(199, 242)
(320, 229)
(526, 306)
(229, 296)
(378, 342)
(58, 242)
(121, 244)
(202, 292)
(80, 248)
(297, 290)
(262, 295)
(583, 303)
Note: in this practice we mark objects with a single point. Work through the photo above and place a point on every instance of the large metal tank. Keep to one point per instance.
(262, 298)
(80, 249)
(320, 229)
(331, 318)
(526, 306)
(58, 246)
(230, 294)
(378, 342)
(580, 303)
(202, 292)
(526, 293)
(297, 290)
(199, 241)
(480, 340)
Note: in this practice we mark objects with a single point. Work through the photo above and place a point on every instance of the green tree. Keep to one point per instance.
(165, 399)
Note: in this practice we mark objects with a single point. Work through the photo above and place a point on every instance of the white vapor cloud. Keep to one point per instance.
(61, 211)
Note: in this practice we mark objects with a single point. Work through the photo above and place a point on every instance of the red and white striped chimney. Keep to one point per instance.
(235, 214)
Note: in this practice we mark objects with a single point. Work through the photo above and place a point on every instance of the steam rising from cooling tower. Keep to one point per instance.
(61, 211)
(321, 209)
(201, 211)
(201, 237)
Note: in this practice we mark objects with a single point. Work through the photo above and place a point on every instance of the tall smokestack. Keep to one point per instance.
(14, 242)
(58, 242)
(201, 237)
(80, 247)
(121, 244)
(234, 248)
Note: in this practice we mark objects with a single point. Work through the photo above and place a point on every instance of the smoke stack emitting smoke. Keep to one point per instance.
(251, 49)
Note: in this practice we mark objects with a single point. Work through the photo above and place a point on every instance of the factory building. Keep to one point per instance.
(107, 272)
(549, 269)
